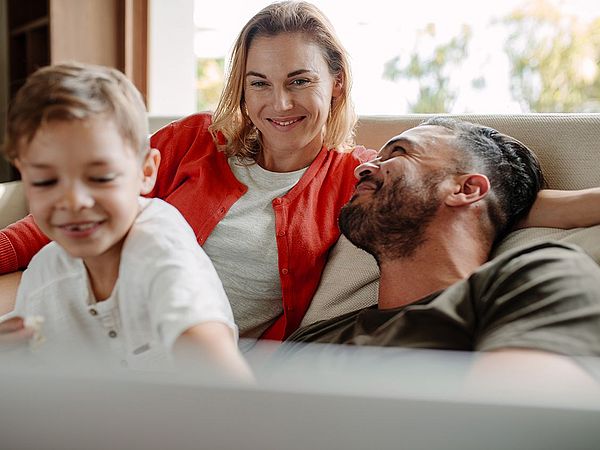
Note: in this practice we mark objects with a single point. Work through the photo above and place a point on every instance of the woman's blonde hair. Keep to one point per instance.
(230, 118)
(76, 91)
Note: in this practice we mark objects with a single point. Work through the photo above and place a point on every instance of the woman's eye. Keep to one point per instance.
(258, 84)
(398, 149)
(300, 82)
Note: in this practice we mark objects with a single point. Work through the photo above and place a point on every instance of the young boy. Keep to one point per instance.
(124, 275)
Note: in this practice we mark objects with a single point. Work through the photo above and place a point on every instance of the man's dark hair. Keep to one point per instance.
(513, 170)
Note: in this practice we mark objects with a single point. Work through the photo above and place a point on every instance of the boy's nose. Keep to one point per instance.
(75, 198)
(367, 168)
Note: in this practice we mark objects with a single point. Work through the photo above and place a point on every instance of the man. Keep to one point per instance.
(429, 209)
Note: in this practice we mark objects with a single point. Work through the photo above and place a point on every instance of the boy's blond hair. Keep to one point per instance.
(75, 91)
(287, 17)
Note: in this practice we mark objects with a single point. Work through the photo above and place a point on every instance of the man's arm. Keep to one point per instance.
(516, 370)
(564, 209)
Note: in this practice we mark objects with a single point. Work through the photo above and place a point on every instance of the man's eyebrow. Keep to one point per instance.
(400, 141)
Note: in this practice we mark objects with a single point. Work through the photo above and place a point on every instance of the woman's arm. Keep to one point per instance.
(8, 291)
(564, 209)
(19, 242)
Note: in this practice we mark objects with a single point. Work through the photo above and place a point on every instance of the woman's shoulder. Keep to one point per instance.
(196, 122)
(356, 155)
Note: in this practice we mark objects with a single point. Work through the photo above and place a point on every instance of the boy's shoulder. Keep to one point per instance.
(159, 230)
(50, 265)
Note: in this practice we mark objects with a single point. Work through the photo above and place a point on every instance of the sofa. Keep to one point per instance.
(568, 147)
(387, 400)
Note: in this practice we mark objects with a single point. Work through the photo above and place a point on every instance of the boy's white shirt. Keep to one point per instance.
(166, 285)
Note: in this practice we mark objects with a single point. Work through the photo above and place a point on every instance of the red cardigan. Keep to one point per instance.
(195, 177)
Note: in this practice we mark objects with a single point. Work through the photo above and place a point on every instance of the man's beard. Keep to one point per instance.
(393, 224)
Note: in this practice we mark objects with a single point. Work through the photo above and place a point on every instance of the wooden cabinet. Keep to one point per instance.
(107, 32)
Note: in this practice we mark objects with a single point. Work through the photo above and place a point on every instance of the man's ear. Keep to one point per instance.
(149, 170)
(468, 189)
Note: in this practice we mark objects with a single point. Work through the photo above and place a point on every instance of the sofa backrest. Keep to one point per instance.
(567, 145)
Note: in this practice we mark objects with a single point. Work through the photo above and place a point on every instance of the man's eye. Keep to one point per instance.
(43, 183)
(398, 149)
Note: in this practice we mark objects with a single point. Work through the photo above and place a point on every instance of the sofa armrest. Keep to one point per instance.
(12, 203)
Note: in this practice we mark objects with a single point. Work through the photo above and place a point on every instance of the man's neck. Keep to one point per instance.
(441, 261)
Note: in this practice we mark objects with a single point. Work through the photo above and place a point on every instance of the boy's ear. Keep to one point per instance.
(149, 170)
(468, 189)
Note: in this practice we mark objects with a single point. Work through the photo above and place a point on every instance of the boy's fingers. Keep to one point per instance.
(10, 325)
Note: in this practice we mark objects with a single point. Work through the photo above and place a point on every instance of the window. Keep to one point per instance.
(459, 57)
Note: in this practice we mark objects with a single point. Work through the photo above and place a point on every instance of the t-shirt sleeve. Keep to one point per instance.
(547, 299)
(181, 287)
(19, 242)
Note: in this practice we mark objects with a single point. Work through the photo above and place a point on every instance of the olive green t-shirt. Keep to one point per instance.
(544, 297)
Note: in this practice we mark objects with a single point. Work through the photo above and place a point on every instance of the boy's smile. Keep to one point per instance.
(82, 182)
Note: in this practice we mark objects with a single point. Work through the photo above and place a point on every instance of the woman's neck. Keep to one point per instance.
(288, 161)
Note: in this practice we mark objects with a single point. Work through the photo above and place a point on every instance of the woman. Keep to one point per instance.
(263, 179)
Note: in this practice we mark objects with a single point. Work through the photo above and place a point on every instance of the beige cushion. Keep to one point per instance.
(12, 203)
(568, 145)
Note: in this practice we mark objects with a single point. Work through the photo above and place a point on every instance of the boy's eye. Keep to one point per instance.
(43, 183)
(104, 178)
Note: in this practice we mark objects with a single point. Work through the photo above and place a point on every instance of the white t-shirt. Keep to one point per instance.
(243, 247)
(166, 284)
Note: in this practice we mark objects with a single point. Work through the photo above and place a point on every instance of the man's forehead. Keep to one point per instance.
(422, 136)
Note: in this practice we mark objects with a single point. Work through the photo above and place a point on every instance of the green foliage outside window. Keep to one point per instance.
(209, 76)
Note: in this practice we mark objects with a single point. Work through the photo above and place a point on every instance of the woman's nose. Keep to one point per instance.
(367, 168)
(283, 100)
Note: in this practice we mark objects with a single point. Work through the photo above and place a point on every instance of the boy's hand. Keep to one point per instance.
(13, 333)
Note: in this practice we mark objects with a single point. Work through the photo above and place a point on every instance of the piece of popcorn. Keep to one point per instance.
(35, 322)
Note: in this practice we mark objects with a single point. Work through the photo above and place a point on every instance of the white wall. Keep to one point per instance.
(172, 63)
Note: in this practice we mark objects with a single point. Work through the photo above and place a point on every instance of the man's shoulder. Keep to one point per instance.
(550, 252)
(542, 266)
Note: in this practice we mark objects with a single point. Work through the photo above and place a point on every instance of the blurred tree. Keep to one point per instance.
(554, 58)
(209, 76)
(432, 73)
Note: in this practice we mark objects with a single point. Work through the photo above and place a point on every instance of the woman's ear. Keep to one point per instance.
(149, 170)
(338, 86)
(468, 189)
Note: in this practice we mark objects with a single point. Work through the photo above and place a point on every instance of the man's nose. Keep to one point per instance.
(367, 168)
(75, 197)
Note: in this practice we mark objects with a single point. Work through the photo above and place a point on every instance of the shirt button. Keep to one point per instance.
(281, 233)
(112, 334)
(277, 201)
(284, 271)
(93, 312)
